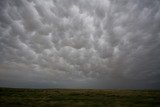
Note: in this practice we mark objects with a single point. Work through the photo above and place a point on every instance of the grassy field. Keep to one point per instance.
(10, 97)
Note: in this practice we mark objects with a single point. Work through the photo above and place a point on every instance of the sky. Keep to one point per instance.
(104, 44)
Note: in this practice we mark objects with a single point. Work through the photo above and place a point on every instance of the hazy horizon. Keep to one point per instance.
(94, 44)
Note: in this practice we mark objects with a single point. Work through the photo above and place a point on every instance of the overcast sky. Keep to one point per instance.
(80, 43)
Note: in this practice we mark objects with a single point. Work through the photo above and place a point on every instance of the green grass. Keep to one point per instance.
(10, 97)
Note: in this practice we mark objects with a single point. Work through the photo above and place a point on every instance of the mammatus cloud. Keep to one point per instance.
(80, 43)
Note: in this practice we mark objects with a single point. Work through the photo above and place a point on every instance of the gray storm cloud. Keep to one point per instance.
(80, 43)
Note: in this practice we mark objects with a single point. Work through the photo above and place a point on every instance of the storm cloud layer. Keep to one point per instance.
(80, 43)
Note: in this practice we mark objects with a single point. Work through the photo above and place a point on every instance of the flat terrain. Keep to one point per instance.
(10, 97)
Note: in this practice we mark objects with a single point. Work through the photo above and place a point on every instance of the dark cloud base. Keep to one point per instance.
(80, 43)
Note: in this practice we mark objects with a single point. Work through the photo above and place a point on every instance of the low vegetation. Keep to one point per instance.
(10, 97)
